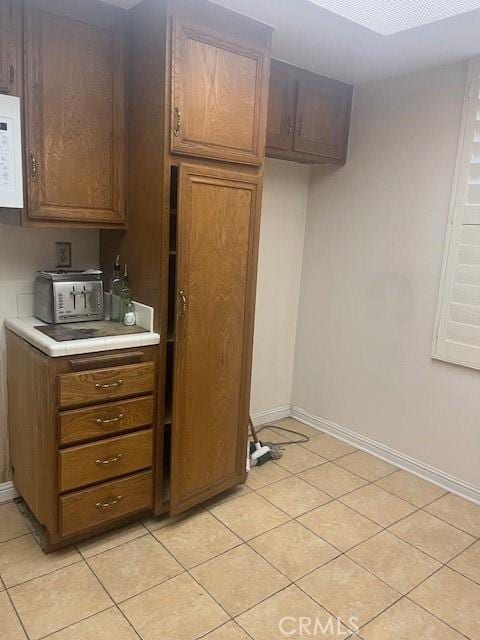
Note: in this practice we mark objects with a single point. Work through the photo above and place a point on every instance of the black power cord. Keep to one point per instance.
(303, 438)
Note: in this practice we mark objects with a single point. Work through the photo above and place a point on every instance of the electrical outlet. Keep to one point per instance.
(64, 254)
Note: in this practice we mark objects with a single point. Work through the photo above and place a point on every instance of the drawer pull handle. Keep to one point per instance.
(110, 385)
(116, 458)
(110, 420)
(110, 503)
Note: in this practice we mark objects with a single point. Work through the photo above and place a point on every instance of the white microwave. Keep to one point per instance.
(11, 178)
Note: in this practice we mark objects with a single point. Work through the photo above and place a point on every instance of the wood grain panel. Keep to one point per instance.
(219, 91)
(10, 48)
(104, 420)
(31, 418)
(79, 510)
(91, 387)
(323, 115)
(75, 112)
(100, 461)
(281, 106)
(218, 212)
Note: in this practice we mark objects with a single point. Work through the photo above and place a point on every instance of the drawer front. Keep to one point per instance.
(109, 501)
(90, 387)
(104, 420)
(100, 461)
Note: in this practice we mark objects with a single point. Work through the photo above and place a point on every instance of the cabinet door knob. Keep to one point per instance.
(116, 458)
(109, 503)
(300, 128)
(183, 300)
(178, 122)
(33, 167)
(289, 126)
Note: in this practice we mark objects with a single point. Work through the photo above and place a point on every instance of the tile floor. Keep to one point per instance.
(329, 538)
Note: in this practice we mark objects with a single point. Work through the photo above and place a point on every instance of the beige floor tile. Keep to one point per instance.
(339, 525)
(12, 523)
(461, 513)
(411, 488)
(293, 549)
(226, 496)
(348, 591)
(468, 562)
(133, 567)
(10, 627)
(282, 615)
(178, 609)
(294, 496)
(22, 559)
(197, 539)
(453, 598)
(378, 505)
(407, 621)
(157, 522)
(332, 479)
(299, 427)
(394, 561)
(296, 459)
(433, 536)
(108, 625)
(111, 539)
(229, 631)
(328, 447)
(249, 516)
(59, 599)
(365, 465)
(265, 474)
(239, 579)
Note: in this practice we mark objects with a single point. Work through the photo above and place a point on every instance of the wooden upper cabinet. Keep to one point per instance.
(10, 46)
(319, 109)
(219, 94)
(323, 116)
(75, 111)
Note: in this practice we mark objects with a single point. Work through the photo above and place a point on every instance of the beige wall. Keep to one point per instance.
(282, 230)
(22, 252)
(372, 258)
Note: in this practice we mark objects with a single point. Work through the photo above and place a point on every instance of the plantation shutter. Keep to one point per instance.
(457, 335)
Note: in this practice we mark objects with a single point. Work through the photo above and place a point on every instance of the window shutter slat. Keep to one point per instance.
(457, 327)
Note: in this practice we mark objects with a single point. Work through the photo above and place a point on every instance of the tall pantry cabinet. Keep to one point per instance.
(198, 92)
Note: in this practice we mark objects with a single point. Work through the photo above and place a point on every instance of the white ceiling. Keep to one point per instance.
(317, 39)
(391, 16)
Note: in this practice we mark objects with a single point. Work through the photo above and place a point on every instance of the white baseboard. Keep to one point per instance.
(425, 471)
(271, 415)
(7, 492)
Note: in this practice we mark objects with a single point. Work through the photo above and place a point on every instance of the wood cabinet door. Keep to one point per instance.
(75, 112)
(10, 46)
(281, 107)
(217, 255)
(323, 116)
(219, 95)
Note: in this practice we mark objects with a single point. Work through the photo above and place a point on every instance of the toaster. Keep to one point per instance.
(68, 296)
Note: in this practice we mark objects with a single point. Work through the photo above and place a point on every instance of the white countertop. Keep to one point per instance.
(24, 327)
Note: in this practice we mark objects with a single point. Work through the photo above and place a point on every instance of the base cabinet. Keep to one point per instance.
(83, 469)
